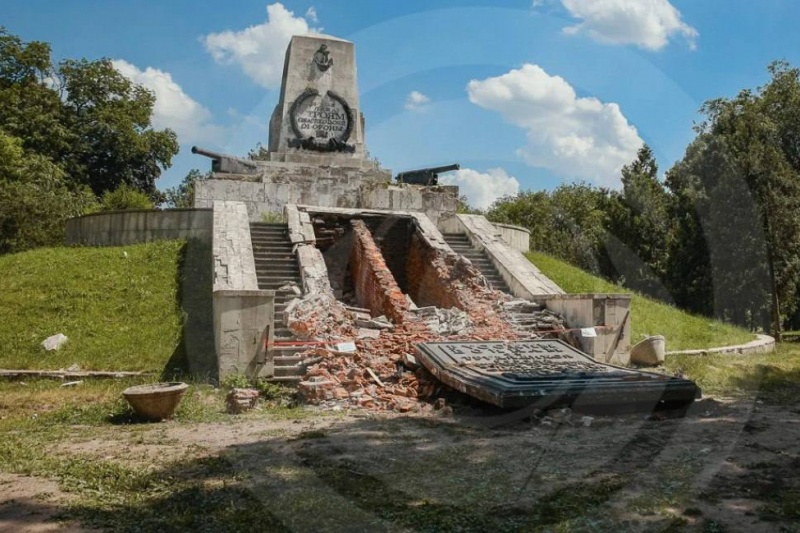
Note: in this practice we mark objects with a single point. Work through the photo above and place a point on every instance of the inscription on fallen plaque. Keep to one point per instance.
(546, 372)
(519, 359)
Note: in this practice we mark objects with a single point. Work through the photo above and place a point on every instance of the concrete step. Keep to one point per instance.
(275, 255)
(288, 381)
(275, 283)
(267, 230)
(269, 246)
(286, 360)
(264, 266)
(277, 263)
(276, 270)
(288, 371)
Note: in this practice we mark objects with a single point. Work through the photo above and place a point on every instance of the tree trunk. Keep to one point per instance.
(776, 305)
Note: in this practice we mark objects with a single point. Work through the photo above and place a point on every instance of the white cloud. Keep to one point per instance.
(259, 50)
(415, 101)
(645, 23)
(311, 15)
(482, 189)
(173, 109)
(571, 136)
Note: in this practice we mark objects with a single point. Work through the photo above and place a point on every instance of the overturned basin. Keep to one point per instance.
(156, 401)
(547, 373)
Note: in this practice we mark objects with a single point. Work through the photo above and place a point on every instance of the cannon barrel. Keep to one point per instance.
(425, 176)
(445, 168)
(208, 153)
(226, 164)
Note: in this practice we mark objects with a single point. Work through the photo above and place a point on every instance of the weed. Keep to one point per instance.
(272, 218)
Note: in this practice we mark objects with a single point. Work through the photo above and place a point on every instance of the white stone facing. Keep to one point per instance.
(242, 312)
(234, 266)
(313, 270)
(329, 188)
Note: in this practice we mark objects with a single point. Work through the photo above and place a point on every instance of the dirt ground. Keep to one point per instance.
(723, 466)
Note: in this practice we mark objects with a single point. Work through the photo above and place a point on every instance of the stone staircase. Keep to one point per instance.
(461, 244)
(276, 267)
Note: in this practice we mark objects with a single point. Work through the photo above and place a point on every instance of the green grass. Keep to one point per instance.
(117, 306)
(774, 378)
(682, 330)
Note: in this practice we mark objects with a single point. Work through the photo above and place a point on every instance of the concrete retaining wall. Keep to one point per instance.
(243, 314)
(121, 228)
(516, 237)
(762, 344)
(600, 323)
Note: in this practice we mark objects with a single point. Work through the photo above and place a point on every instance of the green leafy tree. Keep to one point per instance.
(567, 223)
(110, 118)
(84, 116)
(638, 224)
(35, 198)
(739, 185)
(182, 196)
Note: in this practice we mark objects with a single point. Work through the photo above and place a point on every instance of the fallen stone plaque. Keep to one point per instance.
(547, 373)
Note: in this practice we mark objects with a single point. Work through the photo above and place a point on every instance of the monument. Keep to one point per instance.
(318, 114)
(317, 151)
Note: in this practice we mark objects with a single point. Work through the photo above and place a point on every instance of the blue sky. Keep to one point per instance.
(523, 94)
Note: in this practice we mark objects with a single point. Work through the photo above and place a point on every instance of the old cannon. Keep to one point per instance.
(226, 164)
(424, 176)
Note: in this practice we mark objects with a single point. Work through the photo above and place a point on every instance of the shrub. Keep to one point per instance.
(124, 198)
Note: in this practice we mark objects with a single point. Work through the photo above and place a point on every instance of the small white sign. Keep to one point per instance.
(588, 332)
(347, 347)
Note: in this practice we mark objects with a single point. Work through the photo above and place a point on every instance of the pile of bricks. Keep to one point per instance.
(379, 371)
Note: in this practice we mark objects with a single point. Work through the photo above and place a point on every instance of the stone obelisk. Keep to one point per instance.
(318, 116)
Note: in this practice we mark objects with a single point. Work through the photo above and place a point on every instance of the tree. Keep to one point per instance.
(110, 118)
(82, 115)
(124, 198)
(638, 225)
(35, 198)
(567, 223)
(741, 177)
(182, 196)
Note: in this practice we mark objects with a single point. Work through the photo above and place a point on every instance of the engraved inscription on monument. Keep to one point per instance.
(321, 122)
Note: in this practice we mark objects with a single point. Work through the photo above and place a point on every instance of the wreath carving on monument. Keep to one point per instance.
(325, 127)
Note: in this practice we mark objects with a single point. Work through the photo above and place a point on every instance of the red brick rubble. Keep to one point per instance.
(381, 373)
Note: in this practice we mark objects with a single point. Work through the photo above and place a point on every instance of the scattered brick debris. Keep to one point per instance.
(382, 373)
(241, 400)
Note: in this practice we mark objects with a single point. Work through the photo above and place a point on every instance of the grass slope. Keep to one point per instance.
(117, 306)
(649, 317)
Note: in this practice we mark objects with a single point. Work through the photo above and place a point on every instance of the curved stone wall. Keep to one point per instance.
(517, 237)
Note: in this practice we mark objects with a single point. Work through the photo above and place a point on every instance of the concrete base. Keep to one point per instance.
(600, 323)
(242, 321)
(243, 314)
(277, 184)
